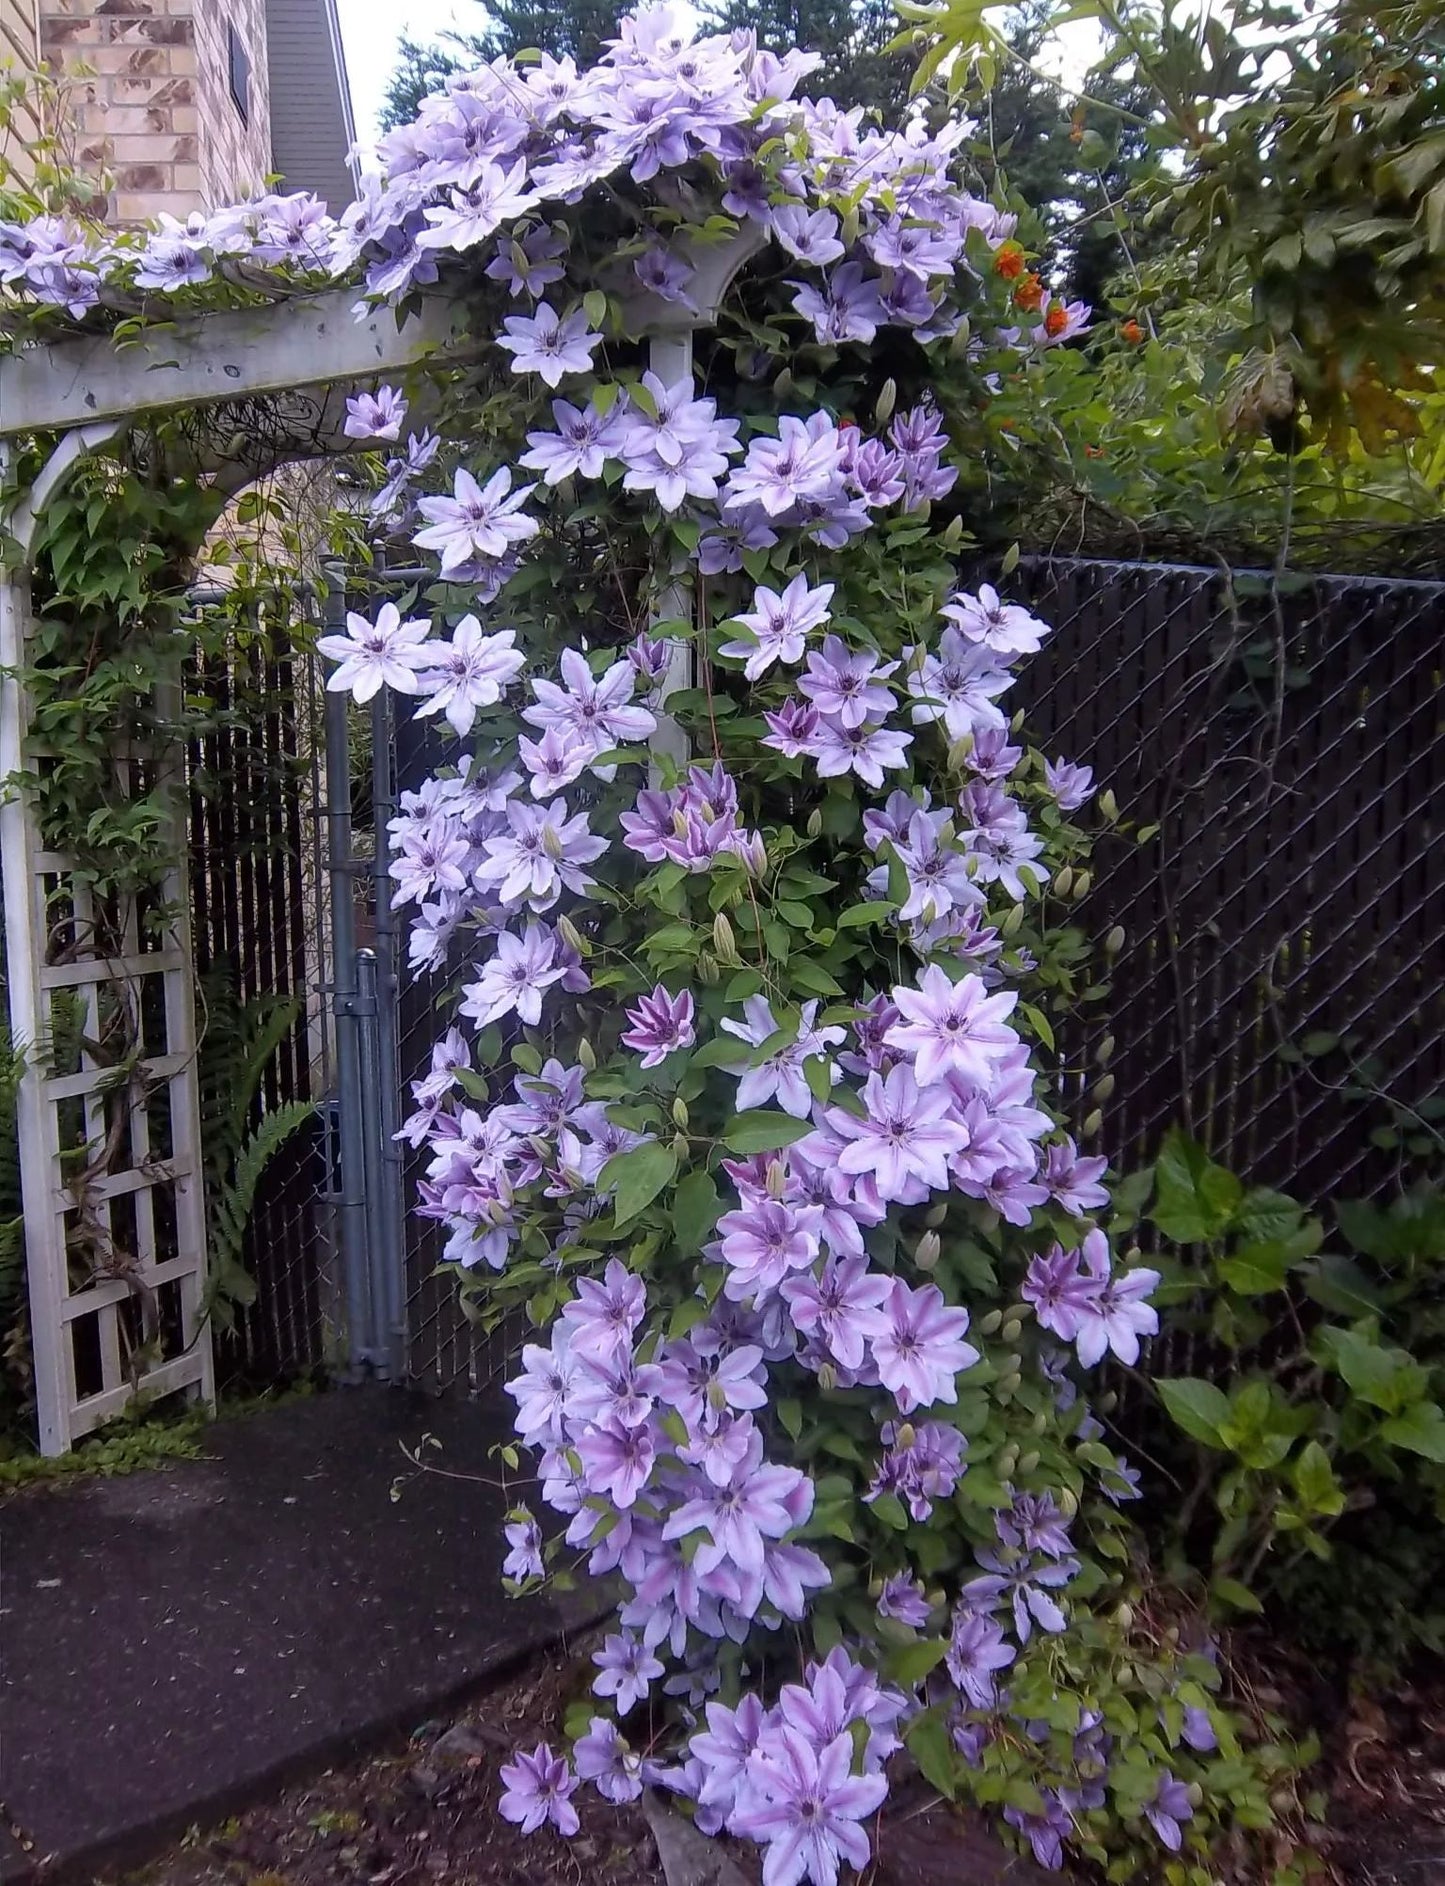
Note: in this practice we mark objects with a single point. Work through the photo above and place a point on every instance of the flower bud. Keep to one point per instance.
(815, 822)
(886, 401)
(928, 1251)
(1105, 1052)
(907, 1435)
(1063, 883)
(1013, 922)
(1124, 1617)
(1068, 1501)
(875, 1587)
(1109, 805)
(936, 1598)
(1008, 1460)
(827, 1376)
(991, 1324)
(586, 1055)
(1196, 1798)
(724, 941)
(573, 937)
(957, 756)
(717, 1396)
(1092, 1124)
(679, 1147)
(1104, 1088)
(777, 1178)
(783, 384)
(1011, 1331)
(1016, 724)
(1040, 1423)
(1081, 885)
(936, 1215)
(1010, 1385)
(679, 1113)
(1108, 1401)
(1114, 941)
(707, 969)
(1030, 1462)
(552, 843)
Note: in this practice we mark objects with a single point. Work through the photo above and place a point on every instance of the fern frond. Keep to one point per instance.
(231, 1204)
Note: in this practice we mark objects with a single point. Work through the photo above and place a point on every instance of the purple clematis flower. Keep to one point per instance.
(847, 686)
(549, 344)
(472, 671)
(521, 969)
(976, 1653)
(661, 1023)
(921, 1350)
(1006, 628)
(536, 1790)
(1071, 786)
(603, 1758)
(843, 1308)
(627, 1670)
(1169, 1809)
(904, 1598)
(524, 1536)
(904, 1141)
(953, 1028)
(477, 521)
(866, 750)
(1116, 1314)
(806, 1806)
(378, 415)
(780, 625)
(372, 655)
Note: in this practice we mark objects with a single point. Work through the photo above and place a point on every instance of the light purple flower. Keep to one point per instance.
(537, 1789)
(762, 1243)
(595, 709)
(849, 306)
(777, 474)
(780, 625)
(476, 521)
(549, 344)
(842, 1309)
(904, 1141)
(470, 672)
(904, 1598)
(372, 655)
(806, 1806)
(1073, 1179)
(920, 1351)
(1071, 786)
(1169, 1809)
(378, 415)
(603, 1758)
(1117, 1313)
(845, 685)
(493, 196)
(521, 969)
(1006, 628)
(524, 1536)
(1046, 1832)
(1056, 1286)
(661, 1023)
(581, 445)
(976, 1653)
(867, 750)
(627, 1670)
(809, 235)
(953, 1028)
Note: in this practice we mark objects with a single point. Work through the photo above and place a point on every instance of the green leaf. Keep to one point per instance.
(1315, 1483)
(790, 1414)
(1237, 1597)
(763, 1132)
(929, 1744)
(695, 1208)
(636, 1178)
(1196, 1406)
(1387, 1379)
(1195, 1199)
(1420, 1430)
(862, 916)
(812, 978)
(910, 1663)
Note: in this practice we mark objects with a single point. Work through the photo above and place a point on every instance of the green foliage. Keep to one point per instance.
(238, 1139)
(129, 1444)
(1317, 1431)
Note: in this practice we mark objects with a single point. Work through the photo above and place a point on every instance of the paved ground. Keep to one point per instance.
(176, 1641)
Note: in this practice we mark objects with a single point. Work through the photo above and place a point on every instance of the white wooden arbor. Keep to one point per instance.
(295, 362)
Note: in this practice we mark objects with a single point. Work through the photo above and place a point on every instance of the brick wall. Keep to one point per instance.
(156, 111)
(19, 50)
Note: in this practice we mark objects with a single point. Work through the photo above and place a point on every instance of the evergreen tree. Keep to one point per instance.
(851, 35)
(578, 27)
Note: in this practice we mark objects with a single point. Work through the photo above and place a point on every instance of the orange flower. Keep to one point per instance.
(1029, 295)
(1056, 320)
(1008, 260)
(1093, 451)
(1132, 333)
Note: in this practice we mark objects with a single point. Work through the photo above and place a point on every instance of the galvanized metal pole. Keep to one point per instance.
(373, 1077)
(389, 1257)
(351, 1206)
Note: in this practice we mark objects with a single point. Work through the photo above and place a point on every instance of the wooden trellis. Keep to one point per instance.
(110, 1162)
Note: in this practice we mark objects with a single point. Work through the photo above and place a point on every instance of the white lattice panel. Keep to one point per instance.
(101, 1001)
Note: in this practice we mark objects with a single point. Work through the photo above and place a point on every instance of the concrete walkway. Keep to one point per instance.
(177, 1641)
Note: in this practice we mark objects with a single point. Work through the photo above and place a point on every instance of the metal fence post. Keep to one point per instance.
(351, 1206)
(380, 1251)
(389, 1253)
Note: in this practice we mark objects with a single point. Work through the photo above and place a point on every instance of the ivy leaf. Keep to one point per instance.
(695, 1208)
(636, 1178)
(763, 1131)
(1196, 1406)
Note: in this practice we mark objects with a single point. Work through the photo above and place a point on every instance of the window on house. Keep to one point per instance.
(239, 67)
